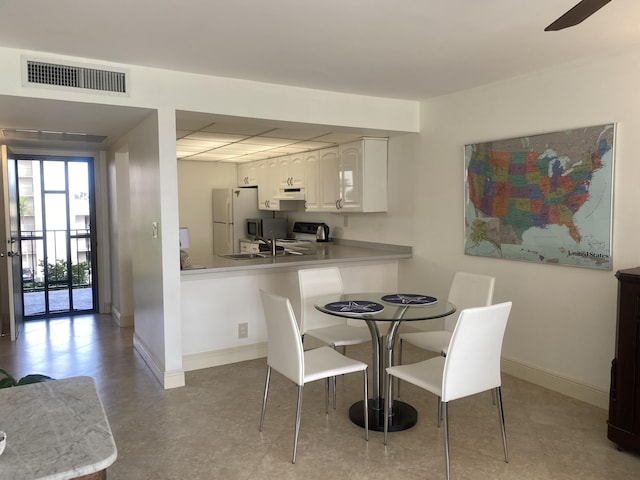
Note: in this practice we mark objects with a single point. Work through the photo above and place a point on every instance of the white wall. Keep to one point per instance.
(120, 226)
(195, 182)
(562, 325)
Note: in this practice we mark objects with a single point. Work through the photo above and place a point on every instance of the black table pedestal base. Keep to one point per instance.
(403, 416)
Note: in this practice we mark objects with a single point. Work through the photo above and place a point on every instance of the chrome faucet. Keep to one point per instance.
(271, 243)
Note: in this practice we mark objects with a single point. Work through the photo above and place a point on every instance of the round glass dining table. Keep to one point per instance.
(393, 308)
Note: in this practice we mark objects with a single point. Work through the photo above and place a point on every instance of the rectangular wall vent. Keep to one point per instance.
(75, 76)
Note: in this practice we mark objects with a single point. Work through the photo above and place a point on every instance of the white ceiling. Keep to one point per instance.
(408, 49)
(203, 137)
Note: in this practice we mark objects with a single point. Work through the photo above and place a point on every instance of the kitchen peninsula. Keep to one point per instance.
(221, 302)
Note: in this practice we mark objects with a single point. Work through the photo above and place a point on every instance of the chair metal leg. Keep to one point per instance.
(335, 383)
(326, 395)
(297, 430)
(445, 410)
(498, 391)
(366, 406)
(439, 411)
(264, 399)
(386, 407)
(399, 363)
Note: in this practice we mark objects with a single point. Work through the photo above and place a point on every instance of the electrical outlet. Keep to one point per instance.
(154, 229)
(243, 330)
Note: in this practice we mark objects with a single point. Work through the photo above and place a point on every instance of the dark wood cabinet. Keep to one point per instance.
(624, 396)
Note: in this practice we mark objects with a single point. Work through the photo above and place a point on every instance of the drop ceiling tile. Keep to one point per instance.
(240, 148)
(240, 128)
(338, 138)
(215, 137)
(242, 159)
(204, 144)
(313, 145)
(211, 156)
(268, 141)
(182, 133)
(192, 148)
(302, 133)
(288, 149)
(185, 153)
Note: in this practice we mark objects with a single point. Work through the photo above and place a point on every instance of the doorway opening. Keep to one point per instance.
(57, 235)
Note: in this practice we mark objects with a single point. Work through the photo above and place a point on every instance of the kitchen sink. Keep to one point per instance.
(242, 256)
(250, 256)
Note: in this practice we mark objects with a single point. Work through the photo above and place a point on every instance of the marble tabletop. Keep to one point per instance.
(56, 430)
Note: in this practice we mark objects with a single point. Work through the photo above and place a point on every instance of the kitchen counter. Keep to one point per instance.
(325, 253)
(56, 430)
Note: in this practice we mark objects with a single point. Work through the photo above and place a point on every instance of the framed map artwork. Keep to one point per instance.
(543, 198)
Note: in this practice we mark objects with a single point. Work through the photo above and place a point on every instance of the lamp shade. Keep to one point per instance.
(184, 237)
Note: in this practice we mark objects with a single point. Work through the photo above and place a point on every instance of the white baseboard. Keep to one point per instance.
(224, 356)
(174, 379)
(587, 393)
(121, 320)
(169, 379)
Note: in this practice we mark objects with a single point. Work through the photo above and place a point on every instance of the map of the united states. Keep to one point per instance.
(534, 182)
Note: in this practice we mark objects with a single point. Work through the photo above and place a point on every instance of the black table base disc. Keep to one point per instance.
(403, 416)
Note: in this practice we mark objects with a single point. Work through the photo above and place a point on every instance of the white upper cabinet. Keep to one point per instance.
(312, 180)
(248, 174)
(353, 177)
(329, 182)
(268, 184)
(291, 170)
(347, 178)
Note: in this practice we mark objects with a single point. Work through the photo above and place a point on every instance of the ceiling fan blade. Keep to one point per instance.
(577, 14)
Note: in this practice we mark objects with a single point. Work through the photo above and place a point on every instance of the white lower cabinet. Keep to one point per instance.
(249, 247)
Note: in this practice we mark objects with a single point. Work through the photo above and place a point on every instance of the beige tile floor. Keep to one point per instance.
(209, 429)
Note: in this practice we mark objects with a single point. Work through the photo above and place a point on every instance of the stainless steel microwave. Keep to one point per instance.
(267, 227)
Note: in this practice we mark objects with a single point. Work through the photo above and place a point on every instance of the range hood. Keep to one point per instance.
(291, 194)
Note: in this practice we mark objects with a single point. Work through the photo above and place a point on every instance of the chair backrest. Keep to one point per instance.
(315, 282)
(284, 348)
(468, 290)
(472, 364)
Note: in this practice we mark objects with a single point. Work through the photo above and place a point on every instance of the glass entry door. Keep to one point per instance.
(56, 204)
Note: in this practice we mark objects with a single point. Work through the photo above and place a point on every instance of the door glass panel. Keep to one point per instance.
(54, 176)
(33, 273)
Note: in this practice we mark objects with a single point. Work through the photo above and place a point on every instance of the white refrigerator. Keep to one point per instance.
(231, 207)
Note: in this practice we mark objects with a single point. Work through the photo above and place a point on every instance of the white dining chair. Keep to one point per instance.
(285, 354)
(467, 290)
(334, 331)
(472, 365)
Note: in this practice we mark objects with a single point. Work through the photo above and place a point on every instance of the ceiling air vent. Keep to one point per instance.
(39, 73)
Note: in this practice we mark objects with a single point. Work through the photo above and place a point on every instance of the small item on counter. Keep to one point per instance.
(3, 441)
(322, 233)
